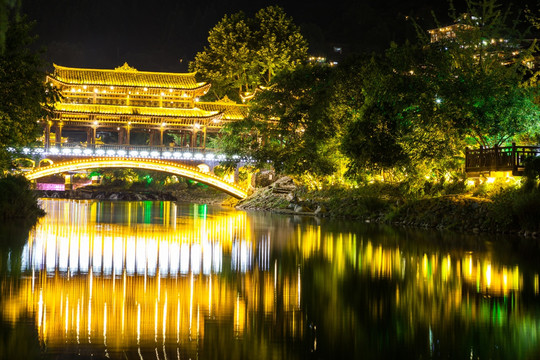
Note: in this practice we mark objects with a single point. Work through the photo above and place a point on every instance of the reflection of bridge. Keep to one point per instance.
(96, 285)
(79, 245)
(170, 167)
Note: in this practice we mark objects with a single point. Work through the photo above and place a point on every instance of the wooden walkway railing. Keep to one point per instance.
(503, 158)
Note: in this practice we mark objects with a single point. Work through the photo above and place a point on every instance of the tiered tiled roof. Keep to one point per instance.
(134, 110)
(231, 110)
(126, 76)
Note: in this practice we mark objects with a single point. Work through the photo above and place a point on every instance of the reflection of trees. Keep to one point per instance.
(21, 337)
(13, 237)
(387, 297)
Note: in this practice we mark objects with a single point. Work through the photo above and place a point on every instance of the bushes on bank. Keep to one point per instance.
(504, 205)
(17, 200)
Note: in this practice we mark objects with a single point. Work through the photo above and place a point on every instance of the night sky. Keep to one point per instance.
(164, 35)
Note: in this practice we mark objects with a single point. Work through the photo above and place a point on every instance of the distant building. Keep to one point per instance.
(450, 31)
(321, 60)
(507, 51)
(447, 32)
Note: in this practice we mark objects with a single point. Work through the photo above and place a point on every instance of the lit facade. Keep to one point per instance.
(125, 100)
(447, 32)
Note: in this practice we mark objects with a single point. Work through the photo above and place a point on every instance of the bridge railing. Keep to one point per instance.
(155, 152)
(116, 146)
(503, 158)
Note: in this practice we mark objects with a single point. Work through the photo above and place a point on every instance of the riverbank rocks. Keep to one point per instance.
(272, 197)
(280, 196)
(285, 186)
(263, 178)
(320, 210)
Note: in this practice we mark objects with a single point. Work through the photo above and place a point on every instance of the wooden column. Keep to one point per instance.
(151, 138)
(204, 138)
(128, 131)
(121, 136)
(58, 134)
(89, 137)
(193, 137)
(94, 135)
(47, 134)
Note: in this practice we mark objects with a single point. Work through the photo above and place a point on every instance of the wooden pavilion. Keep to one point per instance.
(125, 100)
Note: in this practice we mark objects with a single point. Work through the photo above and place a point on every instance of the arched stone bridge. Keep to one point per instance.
(170, 167)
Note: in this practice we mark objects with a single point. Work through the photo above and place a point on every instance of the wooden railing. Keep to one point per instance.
(131, 147)
(499, 158)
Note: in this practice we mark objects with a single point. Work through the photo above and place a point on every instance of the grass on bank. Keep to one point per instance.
(505, 205)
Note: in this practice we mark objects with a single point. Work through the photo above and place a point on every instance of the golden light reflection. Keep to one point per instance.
(134, 275)
(80, 245)
(135, 285)
(345, 252)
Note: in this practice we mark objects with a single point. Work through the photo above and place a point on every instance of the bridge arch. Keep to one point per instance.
(140, 163)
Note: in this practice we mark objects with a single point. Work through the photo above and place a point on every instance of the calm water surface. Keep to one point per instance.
(156, 280)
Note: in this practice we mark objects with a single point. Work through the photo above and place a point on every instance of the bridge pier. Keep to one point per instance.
(68, 181)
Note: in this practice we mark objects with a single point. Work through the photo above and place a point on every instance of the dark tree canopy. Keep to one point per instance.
(423, 103)
(245, 53)
(289, 124)
(8, 8)
(23, 92)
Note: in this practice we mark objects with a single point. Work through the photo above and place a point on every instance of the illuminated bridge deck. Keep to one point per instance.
(131, 151)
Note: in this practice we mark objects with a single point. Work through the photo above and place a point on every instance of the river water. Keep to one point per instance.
(158, 280)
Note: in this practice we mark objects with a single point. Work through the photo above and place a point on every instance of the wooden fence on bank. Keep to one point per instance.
(499, 158)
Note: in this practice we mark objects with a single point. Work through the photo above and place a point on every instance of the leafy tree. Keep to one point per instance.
(485, 76)
(23, 92)
(17, 200)
(289, 124)
(244, 53)
(228, 60)
(424, 102)
(6, 8)
(279, 42)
